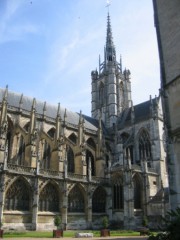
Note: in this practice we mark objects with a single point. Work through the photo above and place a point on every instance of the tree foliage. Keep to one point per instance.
(171, 230)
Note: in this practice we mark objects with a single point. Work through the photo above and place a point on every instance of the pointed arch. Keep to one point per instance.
(144, 144)
(91, 143)
(73, 138)
(18, 196)
(46, 154)
(70, 160)
(127, 141)
(51, 132)
(99, 200)
(27, 126)
(21, 151)
(90, 162)
(49, 198)
(76, 201)
(137, 192)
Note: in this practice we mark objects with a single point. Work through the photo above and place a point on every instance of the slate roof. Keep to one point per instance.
(142, 112)
(13, 100)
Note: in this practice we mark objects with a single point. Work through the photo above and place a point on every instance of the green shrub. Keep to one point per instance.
(105, 222)
(171, 230)
(57, 221)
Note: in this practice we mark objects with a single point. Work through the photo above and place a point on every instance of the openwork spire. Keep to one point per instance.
(109, 37)
(110, 53)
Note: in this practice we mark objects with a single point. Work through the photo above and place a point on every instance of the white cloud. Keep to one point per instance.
(10, 30)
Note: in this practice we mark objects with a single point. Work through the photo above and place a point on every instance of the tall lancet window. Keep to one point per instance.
(49, 199)
(9, 140)
(101, 94)
(21, 151)
(118, 193)
(70, 159)
(46, 155)
(144, 145)
(76, 201)
(99, 201)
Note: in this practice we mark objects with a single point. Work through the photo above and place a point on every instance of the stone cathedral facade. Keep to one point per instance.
(54, 161)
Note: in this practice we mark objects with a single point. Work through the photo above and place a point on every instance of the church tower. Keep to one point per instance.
(111, 87)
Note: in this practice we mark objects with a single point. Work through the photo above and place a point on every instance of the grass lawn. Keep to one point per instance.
(67, 233)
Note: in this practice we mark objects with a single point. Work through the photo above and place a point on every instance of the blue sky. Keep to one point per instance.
(48, 48)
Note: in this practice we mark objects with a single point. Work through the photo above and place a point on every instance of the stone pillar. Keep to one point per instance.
(89, 170)
(61, 154)
(100, 163)
(84, 164)
(65, 167)
(64, 207)
(89, 209)
(2, 195)
(5, 160)
(109, 203)
(145, 187)
(128, 200)
(35, 205)
(32, 148)
(3, 136)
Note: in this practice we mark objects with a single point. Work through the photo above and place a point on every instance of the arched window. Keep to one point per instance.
(75, 200)
(144, 145)
(118, 194)
(91, 143)
(70, 159)
(21, 151)
(27, 126)
(90, 162)
(9, 140)
(49, 199)
(73, 138)
(101, 94)
(51, 132)
(18, 197)
(126, 139)
(46, 155)
(99, 200)
(137, 193)
(8, 146)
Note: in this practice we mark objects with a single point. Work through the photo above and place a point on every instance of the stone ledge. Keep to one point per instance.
(84, 235)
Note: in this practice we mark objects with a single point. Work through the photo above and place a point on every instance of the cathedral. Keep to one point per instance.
(57, 162)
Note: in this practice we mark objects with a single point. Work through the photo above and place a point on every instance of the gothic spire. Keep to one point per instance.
(110, 48)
